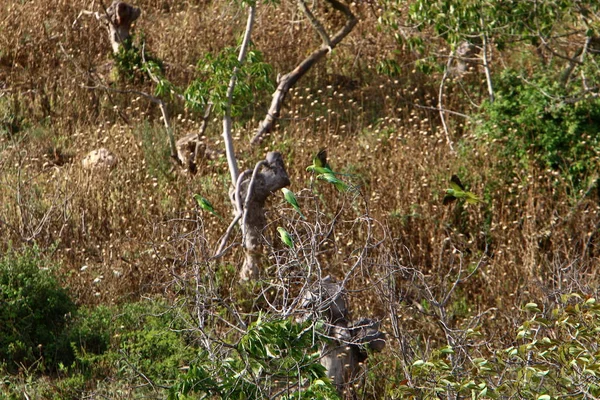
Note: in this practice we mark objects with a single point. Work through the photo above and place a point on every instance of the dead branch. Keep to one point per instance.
(231, 160)
(288, 80)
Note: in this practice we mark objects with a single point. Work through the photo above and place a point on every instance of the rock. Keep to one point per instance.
(100, 158)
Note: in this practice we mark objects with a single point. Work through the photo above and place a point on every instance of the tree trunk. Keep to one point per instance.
(269, 176)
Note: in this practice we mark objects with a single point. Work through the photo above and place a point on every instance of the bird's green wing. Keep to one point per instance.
(456, 184)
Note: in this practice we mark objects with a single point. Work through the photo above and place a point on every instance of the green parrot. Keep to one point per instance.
(285, 237)
(331, 178)
(457, 191)
(320, 165)
(290, 197)
(205, 205)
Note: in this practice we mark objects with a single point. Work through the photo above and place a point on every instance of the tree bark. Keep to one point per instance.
(349, 341)
(231, 160)
(269, 176)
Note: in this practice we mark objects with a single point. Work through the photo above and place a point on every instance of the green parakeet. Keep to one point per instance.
(285, 237)
(320, 165)
(331, 178)
(290, 197)
(205, 205)
(457, 191)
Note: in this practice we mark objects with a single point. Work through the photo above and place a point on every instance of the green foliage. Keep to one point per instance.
(147, 336)
(253, 77)
(34, 312)
(90, 332)
(11, 120)
(134, 64)
(506, 21)
(555, 355)
(534, 119)
(271, 355)
(135, 338)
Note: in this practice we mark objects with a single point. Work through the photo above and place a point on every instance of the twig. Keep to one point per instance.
(315, 23)
(441, 102)
(445, 110)
(221, 250)
(203, 126)
(486, 66)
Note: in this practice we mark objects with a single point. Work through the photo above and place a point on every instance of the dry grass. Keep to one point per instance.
(126, 233)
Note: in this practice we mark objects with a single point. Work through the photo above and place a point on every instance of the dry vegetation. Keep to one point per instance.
(134, 231)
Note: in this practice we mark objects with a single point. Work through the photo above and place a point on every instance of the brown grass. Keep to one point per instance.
(129, 232)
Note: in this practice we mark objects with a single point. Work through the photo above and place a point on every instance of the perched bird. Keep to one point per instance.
(290, 197)
(285, 237)
(457, 191)
(331, 178)
(205, 205)
(320, 165)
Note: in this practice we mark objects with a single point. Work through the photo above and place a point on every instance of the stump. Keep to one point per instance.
(268, 177)
(119, 18)
(350, 341)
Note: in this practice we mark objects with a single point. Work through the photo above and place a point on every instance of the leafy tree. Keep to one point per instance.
(277, 356)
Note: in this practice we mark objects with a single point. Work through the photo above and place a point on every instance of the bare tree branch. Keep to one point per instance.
(231, 160)
(288, 80)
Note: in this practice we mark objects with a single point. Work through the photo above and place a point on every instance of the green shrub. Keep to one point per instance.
(134, 66)
(270, 356)
(92, 329)
(151, 338)
(555, 355)
(129, 340)
(535, 119)
(34, 312)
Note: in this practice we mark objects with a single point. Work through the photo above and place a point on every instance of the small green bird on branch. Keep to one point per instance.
(331, 178)
(290, 197)
(286, 238)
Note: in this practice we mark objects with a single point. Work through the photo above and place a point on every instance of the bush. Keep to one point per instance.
(272, 355)
(133, 339)
(535, 119)
(34, 312)
(555, 354)
(153, 340)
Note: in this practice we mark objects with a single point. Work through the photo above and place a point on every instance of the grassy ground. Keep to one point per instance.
(427, 270)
